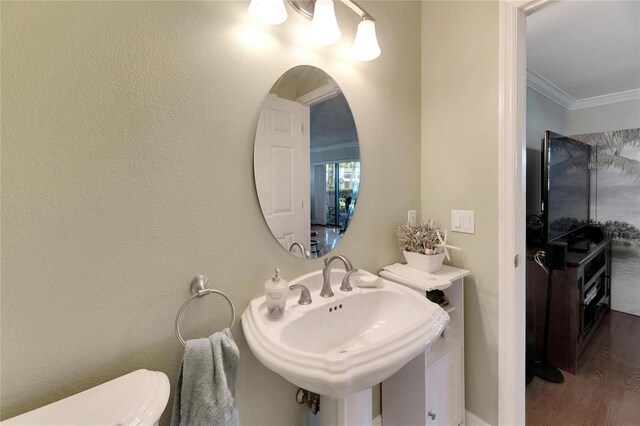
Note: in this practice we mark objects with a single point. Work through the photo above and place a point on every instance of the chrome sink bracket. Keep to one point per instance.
(305, 296)
(312, 400)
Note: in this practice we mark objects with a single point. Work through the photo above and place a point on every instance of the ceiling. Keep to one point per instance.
(332, 123)
(586, 49)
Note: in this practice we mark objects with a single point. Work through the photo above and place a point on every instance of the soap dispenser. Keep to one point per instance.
(275, 291)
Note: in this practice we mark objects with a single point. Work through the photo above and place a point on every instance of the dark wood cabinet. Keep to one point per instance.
(581, 296)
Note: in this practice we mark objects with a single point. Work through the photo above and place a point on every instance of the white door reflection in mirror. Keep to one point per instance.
(307, 161)
(281, 174)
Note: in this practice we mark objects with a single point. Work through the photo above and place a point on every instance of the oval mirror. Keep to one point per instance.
(306, 162)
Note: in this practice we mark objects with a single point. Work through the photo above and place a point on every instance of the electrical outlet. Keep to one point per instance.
(411, 217)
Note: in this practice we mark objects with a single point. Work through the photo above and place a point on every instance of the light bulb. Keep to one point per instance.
(324, 26)
(268, 12)
(365, 47)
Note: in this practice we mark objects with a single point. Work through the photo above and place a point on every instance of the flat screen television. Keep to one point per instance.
(566, 178)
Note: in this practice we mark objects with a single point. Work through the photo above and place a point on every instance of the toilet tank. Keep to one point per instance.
(138, 398)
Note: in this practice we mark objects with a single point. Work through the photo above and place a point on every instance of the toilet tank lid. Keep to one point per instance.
(137, 398)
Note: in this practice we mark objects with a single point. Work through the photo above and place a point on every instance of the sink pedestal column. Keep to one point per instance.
(353, 409)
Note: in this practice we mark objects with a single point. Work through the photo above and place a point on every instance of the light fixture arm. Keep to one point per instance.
(358, 9)
(305, 8)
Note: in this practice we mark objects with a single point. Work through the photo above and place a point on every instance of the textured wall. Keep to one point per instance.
(127, 169)
(459, 169)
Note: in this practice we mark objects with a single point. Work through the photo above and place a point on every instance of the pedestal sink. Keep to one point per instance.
(340, 347)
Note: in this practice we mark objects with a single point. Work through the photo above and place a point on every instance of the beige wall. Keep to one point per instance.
(127, 145)
(543, 114)
(459, 169)
(618, 116)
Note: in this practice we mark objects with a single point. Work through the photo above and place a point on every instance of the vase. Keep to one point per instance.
(424, 262)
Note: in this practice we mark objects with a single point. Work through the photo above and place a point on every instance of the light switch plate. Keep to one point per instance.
(463, 221)
(411, 217)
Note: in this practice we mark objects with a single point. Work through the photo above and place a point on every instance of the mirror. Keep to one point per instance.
(306, 147)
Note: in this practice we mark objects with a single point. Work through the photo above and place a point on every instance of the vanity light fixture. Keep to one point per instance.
(268, 12)
(365, 47)
(324, 26)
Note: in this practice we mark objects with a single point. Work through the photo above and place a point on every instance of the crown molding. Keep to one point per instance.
(548, 89)
(612, 98)
(335, 147)
(329, 90)
(543, 86)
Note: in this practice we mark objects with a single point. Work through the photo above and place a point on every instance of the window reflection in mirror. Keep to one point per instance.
(307, 162)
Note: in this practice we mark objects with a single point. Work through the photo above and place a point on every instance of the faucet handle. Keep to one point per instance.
(305, 296)
(346, 284)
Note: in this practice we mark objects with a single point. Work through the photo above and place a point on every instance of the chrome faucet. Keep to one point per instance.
(326, 274)
(305, 252)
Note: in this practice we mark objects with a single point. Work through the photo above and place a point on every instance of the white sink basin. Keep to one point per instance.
(343, 344)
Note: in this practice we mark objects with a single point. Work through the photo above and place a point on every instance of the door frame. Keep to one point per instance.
(512, 82)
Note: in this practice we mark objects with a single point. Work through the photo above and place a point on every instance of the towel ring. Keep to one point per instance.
(199, 288)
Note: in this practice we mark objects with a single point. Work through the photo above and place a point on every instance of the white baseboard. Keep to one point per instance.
(473, 420)
(470, 420)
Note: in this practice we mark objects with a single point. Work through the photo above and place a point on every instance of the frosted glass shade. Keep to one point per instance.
(268, 12)
(324, 26)
(365, 47)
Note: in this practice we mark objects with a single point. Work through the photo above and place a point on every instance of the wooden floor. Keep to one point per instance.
(606, 390)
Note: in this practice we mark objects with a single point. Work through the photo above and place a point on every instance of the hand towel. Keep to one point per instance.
(418, 278)
(206, 388)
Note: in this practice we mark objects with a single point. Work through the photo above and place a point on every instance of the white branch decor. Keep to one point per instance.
(421, 238)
